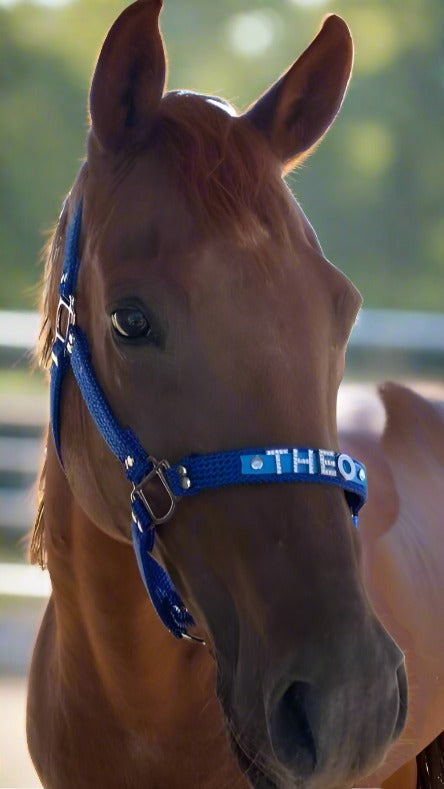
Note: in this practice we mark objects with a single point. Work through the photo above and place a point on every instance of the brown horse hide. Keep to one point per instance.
(189, 228)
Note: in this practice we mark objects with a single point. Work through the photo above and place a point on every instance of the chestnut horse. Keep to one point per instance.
(401, 531)
(214, 322)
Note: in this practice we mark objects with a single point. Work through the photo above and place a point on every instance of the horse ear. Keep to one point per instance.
(129, 78)
(299, 108)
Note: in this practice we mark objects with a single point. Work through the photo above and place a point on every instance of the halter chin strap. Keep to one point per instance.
(190, 476)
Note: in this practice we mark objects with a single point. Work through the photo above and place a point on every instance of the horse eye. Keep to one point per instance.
(130, 323)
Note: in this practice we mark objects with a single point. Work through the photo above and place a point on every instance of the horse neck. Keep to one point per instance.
(106, 626)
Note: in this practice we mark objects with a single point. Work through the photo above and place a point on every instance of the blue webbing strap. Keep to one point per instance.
(71, 261)
(123, 443)
(67, 289)
(71, 348)
(192, 475)
(126, 447)
(253, 466)
(158, 584)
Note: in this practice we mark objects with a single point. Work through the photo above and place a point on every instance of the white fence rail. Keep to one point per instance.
(414, 331)
(18, 329)
(399, 330)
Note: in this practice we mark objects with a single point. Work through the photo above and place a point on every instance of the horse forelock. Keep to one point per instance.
(224, 168)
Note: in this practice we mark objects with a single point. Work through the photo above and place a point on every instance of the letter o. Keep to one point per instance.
(345, 461)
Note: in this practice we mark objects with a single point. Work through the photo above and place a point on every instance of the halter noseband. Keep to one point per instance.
(191, 475)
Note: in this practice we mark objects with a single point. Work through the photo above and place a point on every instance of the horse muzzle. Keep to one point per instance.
(309, 735)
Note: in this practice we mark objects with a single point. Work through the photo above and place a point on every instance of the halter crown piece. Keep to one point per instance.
(192, 474)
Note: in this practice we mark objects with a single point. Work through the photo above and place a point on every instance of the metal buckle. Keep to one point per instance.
(68, 305)
(159, 467)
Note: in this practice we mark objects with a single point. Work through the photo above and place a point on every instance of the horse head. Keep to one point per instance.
(216, 322)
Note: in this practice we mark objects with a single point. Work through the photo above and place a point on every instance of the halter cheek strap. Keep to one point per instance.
(193, 474)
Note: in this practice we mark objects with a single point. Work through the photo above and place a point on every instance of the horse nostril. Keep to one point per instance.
(290, 730)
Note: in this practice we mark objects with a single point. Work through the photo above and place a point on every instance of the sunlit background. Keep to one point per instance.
(373, 191)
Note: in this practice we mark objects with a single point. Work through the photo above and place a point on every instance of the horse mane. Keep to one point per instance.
(52, 259)
(37, 545)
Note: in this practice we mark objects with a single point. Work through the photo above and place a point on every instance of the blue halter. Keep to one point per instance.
(191, 475)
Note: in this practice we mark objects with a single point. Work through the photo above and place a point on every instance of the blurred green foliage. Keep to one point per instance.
(372, 190)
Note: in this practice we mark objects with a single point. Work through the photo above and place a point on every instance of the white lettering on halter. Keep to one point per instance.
(327, 462)
(346, 466)
(277, 456)
(297, 460)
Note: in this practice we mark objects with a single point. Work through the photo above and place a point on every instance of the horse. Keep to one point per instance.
(206, 318)
(403, 555)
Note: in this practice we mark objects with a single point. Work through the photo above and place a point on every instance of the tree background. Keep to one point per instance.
(372, 189)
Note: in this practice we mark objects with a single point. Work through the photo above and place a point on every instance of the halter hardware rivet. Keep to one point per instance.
(129, 462)
(181, 470)
(257, 463)
(361, 474)
(185, 483)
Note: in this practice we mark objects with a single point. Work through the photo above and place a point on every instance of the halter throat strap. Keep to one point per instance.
(194, 473)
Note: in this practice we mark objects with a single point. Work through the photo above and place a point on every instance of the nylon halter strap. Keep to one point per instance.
(191, 475)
